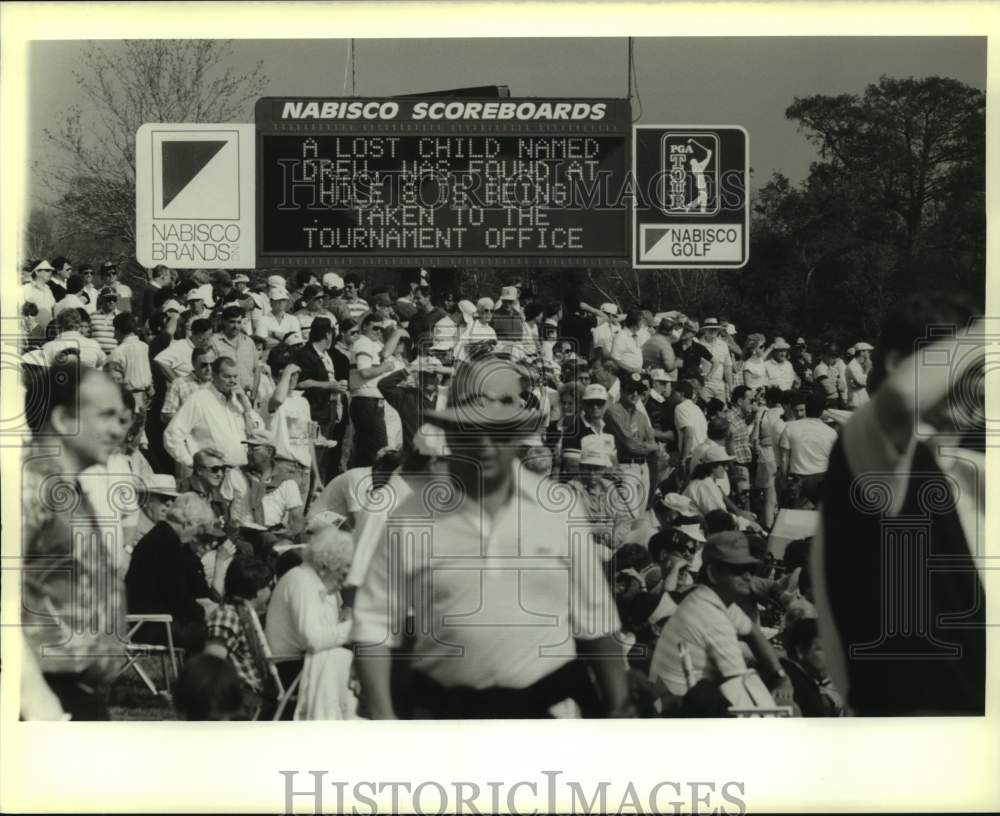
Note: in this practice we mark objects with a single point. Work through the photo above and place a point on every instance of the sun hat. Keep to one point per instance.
(277, 281)
(780, 344)
(710, 323)
(595, 391)
(277, 293)
(692, 531)
(710, 453)
(486, 394)
(679, 504)
(863, 347)
(727, 547)
(43, 266)
(172, 306)
(160, 484)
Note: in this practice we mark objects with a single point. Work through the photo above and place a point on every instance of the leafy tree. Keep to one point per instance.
(127, 84)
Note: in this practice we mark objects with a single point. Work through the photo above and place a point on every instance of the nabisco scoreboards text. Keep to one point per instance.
(443, 181)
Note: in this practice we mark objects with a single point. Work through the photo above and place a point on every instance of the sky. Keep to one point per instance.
(748, 81)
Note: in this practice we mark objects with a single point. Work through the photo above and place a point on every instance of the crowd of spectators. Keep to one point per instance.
(262, 419)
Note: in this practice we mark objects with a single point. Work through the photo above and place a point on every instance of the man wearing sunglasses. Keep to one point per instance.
(503, 562)
(207, 479)
(708, 626)
(183, 387)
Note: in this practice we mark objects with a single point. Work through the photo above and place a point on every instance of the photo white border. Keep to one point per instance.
(805, 765)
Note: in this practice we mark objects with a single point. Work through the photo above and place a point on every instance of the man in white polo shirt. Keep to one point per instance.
(805, 446)
(604, 333)
(507, 601)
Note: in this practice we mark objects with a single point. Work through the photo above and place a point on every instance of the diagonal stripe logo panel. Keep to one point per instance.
(182, 161)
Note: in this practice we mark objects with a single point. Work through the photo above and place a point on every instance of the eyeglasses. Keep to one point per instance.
(737, 569)
(217, 469)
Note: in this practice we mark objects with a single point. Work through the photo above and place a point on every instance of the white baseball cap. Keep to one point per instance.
(276, 281)
(863, 347)
(610, 309)
(595, 391)
(594, 452)
(173, 306)
(277, 293)
(331, 280)
(508, 293)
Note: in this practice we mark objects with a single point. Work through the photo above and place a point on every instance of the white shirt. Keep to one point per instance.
(367, 354)
(90, 352)
(857, 381)
(346, 493)
(626, 350)
(92, 293)
(809, 442)
(604, 335)
(780, 374)
(133, 354)
(42, 297)
(706, 494)
(207, 420)
(177, 357)
(710, 631)
(290, 429)
(274, 328)
(276, 504)
(302, 617)
(689, 415)
(721, 356)
(506, 595)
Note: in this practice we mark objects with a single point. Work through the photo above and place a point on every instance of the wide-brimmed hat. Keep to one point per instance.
(780, 344)
(710, 323)
(277, 293)
(710, 453)
(679, 504)
(486, 394)
(43, 266)
(277, 281)
(692, 531)
(727, 547)
(160, 484)
(863, 347)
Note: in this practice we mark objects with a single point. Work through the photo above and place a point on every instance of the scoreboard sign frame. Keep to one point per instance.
(440, 181)
(695, 211)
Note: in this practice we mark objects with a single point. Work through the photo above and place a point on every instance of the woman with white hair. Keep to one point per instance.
(307, 627)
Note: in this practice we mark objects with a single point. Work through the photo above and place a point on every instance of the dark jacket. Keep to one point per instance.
(410, 403)
(165, 577)
(320, 401)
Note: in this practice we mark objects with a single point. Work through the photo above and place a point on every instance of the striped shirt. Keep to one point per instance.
(102, 329)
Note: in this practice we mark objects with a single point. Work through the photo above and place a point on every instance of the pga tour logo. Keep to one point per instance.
(690, 172)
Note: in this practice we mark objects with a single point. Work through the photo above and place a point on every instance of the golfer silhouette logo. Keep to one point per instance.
(690, 170)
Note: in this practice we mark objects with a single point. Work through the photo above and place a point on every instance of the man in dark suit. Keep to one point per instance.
(319, 384)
